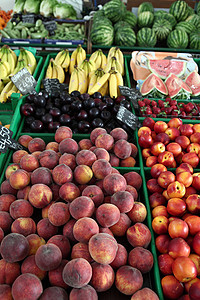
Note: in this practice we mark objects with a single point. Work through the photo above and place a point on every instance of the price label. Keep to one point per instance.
(24, 81)
(128, 118)
(51, 85)
(28, 19)
(132, 94)
(51, 26)
(6, 140)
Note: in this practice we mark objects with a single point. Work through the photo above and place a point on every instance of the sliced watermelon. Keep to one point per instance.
(193, 81)
(151, 83)
(175, 85)
(164, 67)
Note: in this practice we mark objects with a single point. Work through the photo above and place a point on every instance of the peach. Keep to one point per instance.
(176, 206)
(122, 149)
(113, 183)
(191, 158)
(145, 293)
(27, 286)
(141, 259)
(34, 241)
(41, 175)
(165, 178)
(128, 280)
(11, 169)
(105, 230)
(176, 190)
(5, 201)
(17, 155)
(29, 162)
(178, 247)
(1, 234)
(151, 161)
(37, 153)
(139, 235)
(80, 250)
(55, 276)
(29, 266)
(102, 153)
(36, 144)
(123, 200)
(86, 292)
(138, 213)
(45, 229)
(40, 195)
(68, 145)
(84, 229)
(95, 193)
(23, 193)
(69, 191)
(19, 179)
(162, 243)
(68, 159)
(85, 157)
(77, 273)
(58, 214)
(55, 191)
(165, 263)
(184, 269)
(134, 179)
(81, 207)
(5, 292)
(157, 169)
(48, 257)
(101, 168)
(118, 134)
(114, 160)
(48, 159)
(120, 258)
(193, 223)
(195, 137)
(128, 162)
(96, 132)
(194, 290)
(185, 177)
(133, 191)
(52, 146)
(82, 174)
(62, 133)
(103, 277)
(107, 214)
(24, 226)
(172, 288)
(5, 221)
(68, 230)
(14, 247)
(134, 150)
(120, 228)
(63, 244)
(54, 292)
(159, 210)
(46, 209)
(153, 186)
(173, 133)
(103, 248)
(196, 260)
(8, 272)
(105, 141)
(144, 129)
(24, 140)
(193, 204)
(6, 188)
(156, 199)
(160, 224)
(85, 144)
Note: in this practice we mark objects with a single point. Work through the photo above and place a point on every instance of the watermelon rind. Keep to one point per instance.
(177, 39)
(151, 83)
(176, 86)
(193, 81)
(145, 6)
(145, 19)
(162, 28)
(165, 67)
(179, 9)
(195, 39)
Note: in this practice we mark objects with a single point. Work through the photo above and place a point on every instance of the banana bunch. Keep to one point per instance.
(54, 70)
(113, 64)
(7, 91)
(77, 58)
(78, 80)
(9, 58)
(97, 82)
(115, 80)
(63, 59)
(29, 59)
(116, 52)
(99, 58)
(88, 66)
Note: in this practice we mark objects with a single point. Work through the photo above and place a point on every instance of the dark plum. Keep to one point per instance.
(43, 94)
(102, 106)
(94, 112)
(36, 126)
(75, 94)
(116, 108)
(97, 101)
(40, 101)
(65, 108)
(66, 98)
(65, 119)
(76, 105)
(30, 98)
(53, 126)
(84, 126)
(84, 96)
(74, 124)
(39, 112)
(105, 115)
(119, 99)
(109, 102)
(49, 105)
(55, 94)
(29, 120)
(97, 95)
(89, 103)
(82, 115)
(97, 122)
(126, 104)
(47, 118)
(57, 102)
(55, 112)
(27, 109)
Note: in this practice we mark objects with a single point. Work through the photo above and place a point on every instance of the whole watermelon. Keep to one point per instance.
(198, 9)
(130, 18)
(102, 34)
(177, 39)
(146, 37)
(194, 19)
(162, 29)
(98, 15)
(120, 24)
(165, 16)
(145, 6)
(145, 19)
(187, 26)
(125, 37)
(195, 40)
(179, 9)
(114, 10)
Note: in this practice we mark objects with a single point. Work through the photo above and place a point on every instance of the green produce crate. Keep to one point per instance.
(151, 279)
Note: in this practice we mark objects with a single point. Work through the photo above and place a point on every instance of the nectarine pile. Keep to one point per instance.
(68, 220)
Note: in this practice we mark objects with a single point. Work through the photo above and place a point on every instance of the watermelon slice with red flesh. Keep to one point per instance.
(175, 85)
(153, 82)
(164, 67)
(193, 81)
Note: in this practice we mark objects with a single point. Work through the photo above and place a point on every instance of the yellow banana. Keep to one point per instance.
(60, 57)
(113, 85)
(103, 61)
(1, 85)
(82, 81)
(120, 81)
(108, 66)
(84, 66)
(12, 90)
(73, 82)
(14, 55)
(92, 82)
(54, 71)
(49, 71)
(90, 74)
(118, 66)
(93, 56)
(23, 56)
(100, 83)
(73, 60)
(4, 57)
(98, 60)
(6, 89)
(11, 61)
(6, 64)
(66, 62)
(31, 61)
(120, 59)
(111, 52)
(1, 52)
(81, 55)
(3, 71)
(60, 72)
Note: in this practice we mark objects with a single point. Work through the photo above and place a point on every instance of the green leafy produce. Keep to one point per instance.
(64, 11)
(19, 6)
(32, 6)
(46, 7)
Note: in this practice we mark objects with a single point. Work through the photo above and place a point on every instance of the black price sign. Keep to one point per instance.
(51, 26)
(132, 94)
(128, 118)
(51, 85)
(28, 19)
(6, 140)
(24, 81)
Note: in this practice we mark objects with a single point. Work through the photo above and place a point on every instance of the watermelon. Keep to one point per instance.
(99, 14)
(195, 40)
(102, 34)
(145, 19)
(194, 19)
(164, 67)
(198, 9)
(179, 9)
(114, 10)
(121, 24)
(125, 37)
(153, 86)
(168, 17)
(177, 39)
(177, 87)
(193, 81)
(130, 18)
(190, 11)
(159, 12)
(162, 29)
(187, 26)
(146, 37)
(145, 6)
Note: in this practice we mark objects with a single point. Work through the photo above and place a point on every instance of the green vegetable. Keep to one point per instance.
(32, 6)
(19, 6)
(64, 11)
(46, 7)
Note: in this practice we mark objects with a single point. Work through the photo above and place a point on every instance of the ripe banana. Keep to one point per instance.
(49, 71)
(113, 85)
(120, 59)
(104, 89)
(60, 57)
(120, 82)
(100, 83)
(73, 60)
(60, 72)
(11, 61)
(73, 83)
(84, 66)
(1, 85)
(108, 66)
(111, 52)
(12, 90)
(31, 61)
(92, 82)
(3, 70)
(82, 81)
(81, 55)
(4, 57)
(6, 89)
(66, 62)
(103, 61)
(23, 56)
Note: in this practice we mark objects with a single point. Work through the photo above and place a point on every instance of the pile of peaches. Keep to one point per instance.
(175, 203)
(64, 210)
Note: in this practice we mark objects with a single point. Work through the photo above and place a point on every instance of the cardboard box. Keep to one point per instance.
(160, 4)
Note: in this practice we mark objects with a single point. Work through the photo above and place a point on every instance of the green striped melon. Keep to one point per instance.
(99, 14)
(195, 40)
(179, 9)
(120, 24)
(114, 10)
(145, 6)
(130, 18)
(125, 37)
(103, 20)
(198, 9)
(102, 34)
(162, 29)
(177, 39)
(194, 19)
(159, 12)
(145, 19)
(146, 37)
(190, 11)
(167, 17)
(187, 26)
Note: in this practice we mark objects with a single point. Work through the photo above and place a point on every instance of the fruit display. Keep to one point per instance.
(4, 17)
(72, 225)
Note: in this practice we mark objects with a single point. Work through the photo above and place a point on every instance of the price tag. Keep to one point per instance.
(28, 19)
(132, 94)
(6, 140)
(51, 85)
(128, 118)
(51, 26)
(24, 81)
